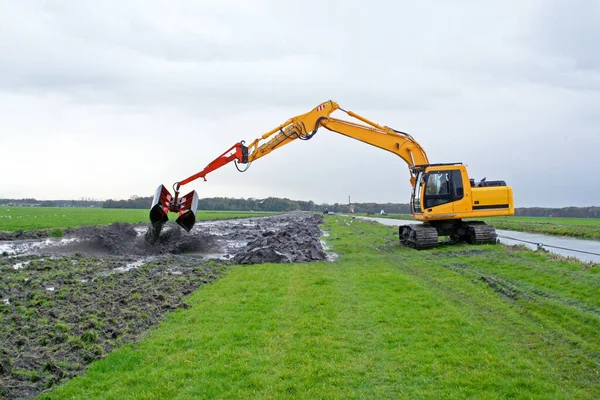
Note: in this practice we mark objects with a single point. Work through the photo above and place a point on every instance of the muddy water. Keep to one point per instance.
(281, 238)
(27, 246)
(508, 237)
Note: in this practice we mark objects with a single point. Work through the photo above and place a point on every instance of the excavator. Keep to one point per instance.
(443, 197)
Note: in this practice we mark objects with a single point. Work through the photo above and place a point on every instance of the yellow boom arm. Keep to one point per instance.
(305, 126)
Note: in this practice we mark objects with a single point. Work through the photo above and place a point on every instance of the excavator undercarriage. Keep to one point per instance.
(425, 235)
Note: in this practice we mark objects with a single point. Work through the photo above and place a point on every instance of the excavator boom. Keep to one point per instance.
(439, 206)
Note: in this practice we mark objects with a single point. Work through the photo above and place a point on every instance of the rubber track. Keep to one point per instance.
(481, 233)
(420, 236)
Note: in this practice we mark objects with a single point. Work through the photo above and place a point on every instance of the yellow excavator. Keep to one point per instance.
(443, 195)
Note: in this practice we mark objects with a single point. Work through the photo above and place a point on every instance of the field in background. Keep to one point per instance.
(583, 228)
(34, 218)
(382, 322)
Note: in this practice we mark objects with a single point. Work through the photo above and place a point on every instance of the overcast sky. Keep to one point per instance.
(108, 99)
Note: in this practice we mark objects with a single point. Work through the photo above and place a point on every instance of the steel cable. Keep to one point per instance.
(549, 245)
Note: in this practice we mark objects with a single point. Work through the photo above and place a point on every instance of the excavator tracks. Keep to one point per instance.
(480, 233)
(418, 237)
(425, 236)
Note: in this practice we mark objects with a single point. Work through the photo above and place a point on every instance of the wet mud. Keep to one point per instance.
(67, 302)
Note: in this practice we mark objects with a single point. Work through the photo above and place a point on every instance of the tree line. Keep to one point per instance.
(269, 204)
(30, 202)
(276, 204)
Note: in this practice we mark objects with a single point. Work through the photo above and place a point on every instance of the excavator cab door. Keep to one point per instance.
(442, 187)
(416, 197)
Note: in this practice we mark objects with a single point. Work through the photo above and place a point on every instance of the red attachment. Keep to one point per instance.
(217, 163)
(186, 207)
(163, 201)
(160, 206)
(187, 210)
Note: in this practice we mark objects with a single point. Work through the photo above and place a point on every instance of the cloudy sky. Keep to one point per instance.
(110, 99)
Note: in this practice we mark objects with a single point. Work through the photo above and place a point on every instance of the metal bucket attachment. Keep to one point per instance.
(187, 210)
(159, 213)
(159, 210)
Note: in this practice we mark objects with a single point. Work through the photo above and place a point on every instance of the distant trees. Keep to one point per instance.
(566, 212)
(132, 202)
(82, 202)
(268, 204)
(278, 204)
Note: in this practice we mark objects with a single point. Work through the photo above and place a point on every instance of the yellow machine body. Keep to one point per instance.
(470, 202)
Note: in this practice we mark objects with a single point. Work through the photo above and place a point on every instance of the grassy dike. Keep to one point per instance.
(382, 322)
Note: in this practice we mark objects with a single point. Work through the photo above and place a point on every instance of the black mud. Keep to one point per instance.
(64, 306)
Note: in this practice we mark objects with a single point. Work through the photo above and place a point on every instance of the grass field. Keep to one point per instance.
(583, 228)
(33, 218)
(484, 322)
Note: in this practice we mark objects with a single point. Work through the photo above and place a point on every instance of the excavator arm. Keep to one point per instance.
(302, 127)
(305, 126)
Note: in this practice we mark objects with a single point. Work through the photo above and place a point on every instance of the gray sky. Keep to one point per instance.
(110, 99)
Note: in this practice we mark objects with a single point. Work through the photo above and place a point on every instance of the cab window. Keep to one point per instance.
(416, 197)
(443, 187)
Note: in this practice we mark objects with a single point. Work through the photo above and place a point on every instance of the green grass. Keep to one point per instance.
(34, 218)
(557, 221)
(382, 322)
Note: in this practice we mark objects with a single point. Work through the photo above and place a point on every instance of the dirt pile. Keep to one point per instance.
(280, 239)
(292, 242)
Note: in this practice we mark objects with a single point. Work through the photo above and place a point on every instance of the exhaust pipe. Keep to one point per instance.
(163, 202)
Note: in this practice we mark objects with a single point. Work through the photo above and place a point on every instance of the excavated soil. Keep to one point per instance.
(67, 302)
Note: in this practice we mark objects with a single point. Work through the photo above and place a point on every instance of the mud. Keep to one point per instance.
(67, 302)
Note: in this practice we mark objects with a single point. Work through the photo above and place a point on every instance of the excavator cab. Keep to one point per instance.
(445, 191)
(163, 202)
(443, 196)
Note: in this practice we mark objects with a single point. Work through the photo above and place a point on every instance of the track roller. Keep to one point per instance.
(480, 233)
(418, 236)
